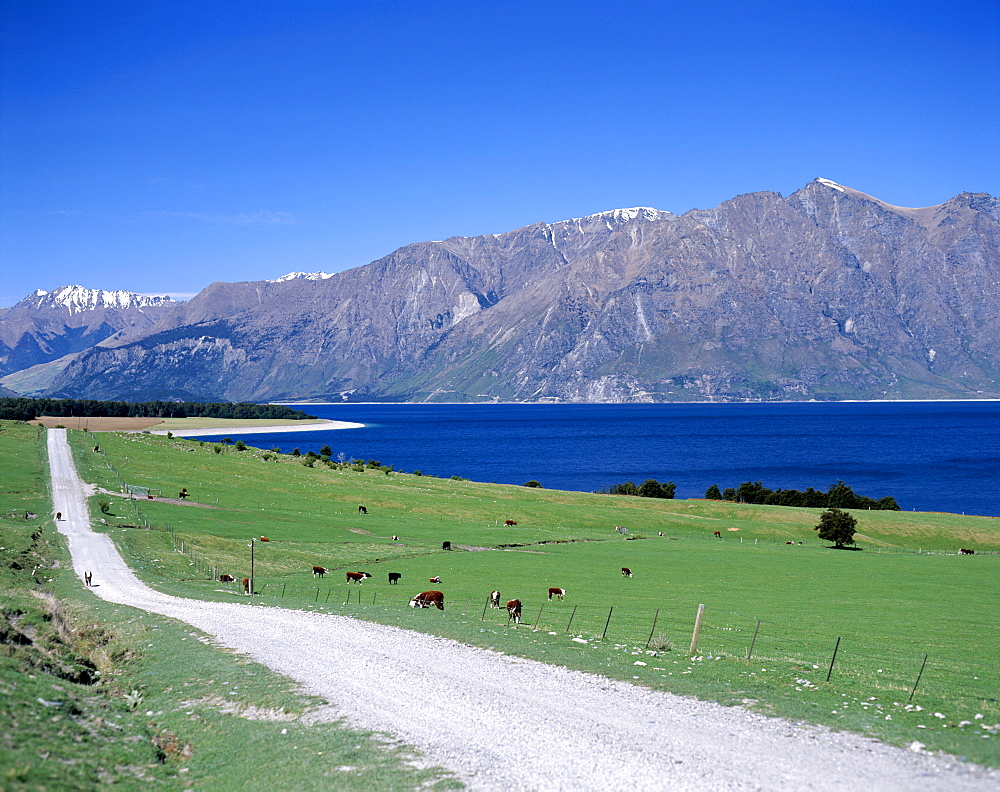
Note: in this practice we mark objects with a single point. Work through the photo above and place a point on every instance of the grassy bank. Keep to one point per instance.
(96, 694)
(775, 615)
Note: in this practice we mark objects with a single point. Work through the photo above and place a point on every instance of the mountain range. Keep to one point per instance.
(828, 293)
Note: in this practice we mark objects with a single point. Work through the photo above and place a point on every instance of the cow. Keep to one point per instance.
(514, 610)
(717, 533)
(427, 598)
(395, 538)
(509, 523)
(435, 579)
(97, 448)
(88, 578)
(264, 539)
(964, 551)
(227, 579)
(445, 546)
(558, 593)
(789, 542)
(394, 578)
(58, 516)
(362, 510)
(183, 493)
(494, 599)
(319, 571)
(246, 585)
(357, 577)
(626, 572)
(661, 533)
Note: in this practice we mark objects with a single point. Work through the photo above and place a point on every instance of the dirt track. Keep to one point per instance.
(505, 723)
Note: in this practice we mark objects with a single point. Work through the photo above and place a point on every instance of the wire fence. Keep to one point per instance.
(851, 658)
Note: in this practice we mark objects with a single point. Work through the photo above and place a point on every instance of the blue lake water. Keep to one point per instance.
(930, 456)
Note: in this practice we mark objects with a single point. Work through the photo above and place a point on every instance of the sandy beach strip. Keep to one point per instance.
(238, 427)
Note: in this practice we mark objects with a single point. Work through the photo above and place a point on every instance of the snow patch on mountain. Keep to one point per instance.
(302, 276)
(77, 299)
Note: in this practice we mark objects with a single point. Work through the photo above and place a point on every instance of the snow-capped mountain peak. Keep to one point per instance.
(77, 299)
(302, 276)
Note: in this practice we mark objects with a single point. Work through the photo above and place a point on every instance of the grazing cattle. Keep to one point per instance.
(394, 578)
(395, 538)
(97, 448)
(626, 572)
(357, 577)
(362, 510)
(227, 579)
(494, 599)
(58, 516)
(264, 539)
(446, 545)
(435, 579)
(183, 493)
(88, 578)
(514, 610)
(558, 593)
(427, 598)
(246, 585)
(717, 533)
(509, 523)
(661, 533)
(965, 551)
(319, 571)
(789, 542)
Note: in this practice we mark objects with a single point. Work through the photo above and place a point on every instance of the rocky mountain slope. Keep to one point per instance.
(828, 293)
(46, 326)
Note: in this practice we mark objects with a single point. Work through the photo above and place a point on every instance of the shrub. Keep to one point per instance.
(533, 483)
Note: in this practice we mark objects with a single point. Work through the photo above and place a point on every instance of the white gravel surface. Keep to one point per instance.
(505, 723)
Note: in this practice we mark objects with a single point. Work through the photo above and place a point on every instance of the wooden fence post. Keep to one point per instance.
(754, 641)
(657, 616)
(570, 620)
(918, 678)
(539, 616)
(832, 659)
(697, 629)
(607, 623)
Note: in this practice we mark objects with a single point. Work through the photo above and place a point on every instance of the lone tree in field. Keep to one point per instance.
(836, 526)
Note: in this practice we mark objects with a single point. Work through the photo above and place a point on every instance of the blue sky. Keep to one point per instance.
(162, 146)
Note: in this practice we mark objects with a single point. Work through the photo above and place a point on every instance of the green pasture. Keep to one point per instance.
(904, 596)
(96, 695)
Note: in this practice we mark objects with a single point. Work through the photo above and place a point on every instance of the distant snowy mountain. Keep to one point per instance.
(50, 325)
(77, 299)
(312, 276)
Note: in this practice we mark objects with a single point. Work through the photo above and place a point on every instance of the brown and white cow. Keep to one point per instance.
(227, 579)
(558, 593)
(319, 571)
(435, 579)
(246, 585)
(626, 572)
(509, 523)
(717, 533)
(494, 599)
(394, 578)
(357, 577)
(514, 610)
(427, 598)
(966, 551)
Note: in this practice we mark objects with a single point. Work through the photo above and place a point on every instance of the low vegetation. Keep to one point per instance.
(778, 601)
(97, 695)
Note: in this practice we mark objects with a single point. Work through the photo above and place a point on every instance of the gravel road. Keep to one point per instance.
(505, 723)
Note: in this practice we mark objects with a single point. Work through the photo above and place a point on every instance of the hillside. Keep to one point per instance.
(827, 294)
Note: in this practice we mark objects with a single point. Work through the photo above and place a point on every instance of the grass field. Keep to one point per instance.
(905, 595)
(96, 695)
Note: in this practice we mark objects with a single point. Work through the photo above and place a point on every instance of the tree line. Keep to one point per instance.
(26, 409)
(840, 496)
